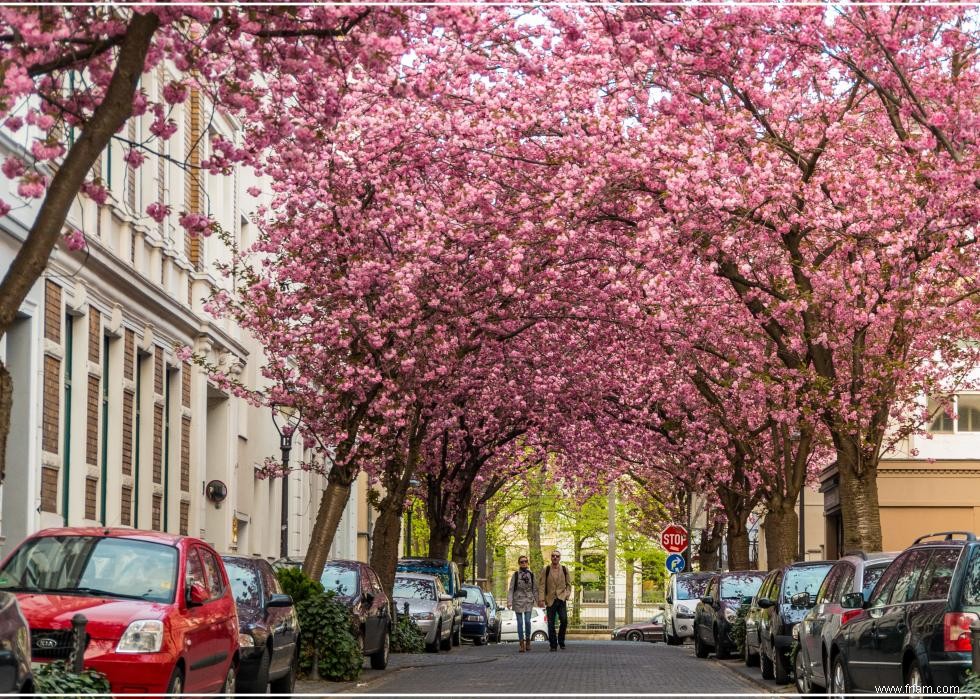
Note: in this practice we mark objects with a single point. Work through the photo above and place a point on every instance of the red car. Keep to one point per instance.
(161, 616)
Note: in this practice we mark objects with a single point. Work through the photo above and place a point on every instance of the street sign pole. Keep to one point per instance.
(611, 577)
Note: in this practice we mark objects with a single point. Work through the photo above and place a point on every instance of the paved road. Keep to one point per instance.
(585, 667)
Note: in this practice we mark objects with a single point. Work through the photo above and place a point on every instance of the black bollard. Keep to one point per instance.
(78, 624)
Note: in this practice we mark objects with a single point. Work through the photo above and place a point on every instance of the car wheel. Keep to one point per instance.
(915, 680)
(751, 659)
(840, 685)
(176, 684)
(700, 649)
(780, 665)
(721, 650)
(447, 642)
(434, 646)
(766, 664)
(671, 635)
(261, 681)
(458, 635)
(803, 684)
(228, 689)
(634, 636)
(379, 660)
(287, 683)
(539, 636)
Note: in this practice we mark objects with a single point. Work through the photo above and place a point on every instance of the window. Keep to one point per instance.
(971, 587)
(216, 583)
(908, 578)
(942, 418)
(244, 585)
(340, 579)
(414, 588)
(195, 571)
(883, 589)
(938, 574)
(968, 413)
(806, 579)
(593, 578)
(691, 586)
(831, 585)
(845, 584)
(872, 574)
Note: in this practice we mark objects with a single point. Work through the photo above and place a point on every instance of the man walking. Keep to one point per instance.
(556, 589)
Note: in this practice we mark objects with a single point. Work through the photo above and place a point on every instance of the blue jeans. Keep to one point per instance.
(523, 626)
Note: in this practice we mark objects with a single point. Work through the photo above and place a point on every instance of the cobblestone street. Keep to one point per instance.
(587, 667)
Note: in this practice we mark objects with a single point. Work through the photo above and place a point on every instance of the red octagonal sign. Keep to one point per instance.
(674, 538)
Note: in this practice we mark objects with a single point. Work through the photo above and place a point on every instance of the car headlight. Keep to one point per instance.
(472, 617)
(245, 640)
(143, 636)
(423, 616)
(685, 613)
(730, 615)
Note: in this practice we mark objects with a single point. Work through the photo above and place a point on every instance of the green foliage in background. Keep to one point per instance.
(57, 678)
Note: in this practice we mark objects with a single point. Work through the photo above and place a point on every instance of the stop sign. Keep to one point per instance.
(674, 538)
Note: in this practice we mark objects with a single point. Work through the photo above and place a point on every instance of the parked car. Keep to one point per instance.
(650, 630)
(268, 627)
(161, 616)
(494, 610)
(915, 628)
(773, 614)
(718, 608)
(476, 618)
(429, 605)
(682, 595)
(508, 625)
(448, 572)
(854, 573)
(357, 586)
(15, 648)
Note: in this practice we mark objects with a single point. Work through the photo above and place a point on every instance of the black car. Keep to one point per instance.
(15, 648)
(357, 585)
(718, 608)
(773, 614)
(915, 629)
(268, 627)
(476, 616)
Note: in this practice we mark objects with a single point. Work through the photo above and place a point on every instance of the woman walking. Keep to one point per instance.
(521, 595)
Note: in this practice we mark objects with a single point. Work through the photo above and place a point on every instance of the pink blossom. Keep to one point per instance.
(134, 157)
(32, 185)
(158, 211)
(75, 240)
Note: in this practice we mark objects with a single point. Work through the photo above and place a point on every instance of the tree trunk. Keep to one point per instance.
(629, 566)
(32, 257)
(332, 505)
(782, 532)
(6, 404)
(737, 539)
(709, 549)
(535, 557)
(440, 535)
(858, 489)
(387, 533)
(463, 528)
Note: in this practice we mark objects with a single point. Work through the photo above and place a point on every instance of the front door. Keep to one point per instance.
(282, 621)
(893, 624)
(197, 627)
(862, 651)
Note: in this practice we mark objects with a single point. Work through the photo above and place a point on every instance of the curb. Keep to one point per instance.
(766, 686)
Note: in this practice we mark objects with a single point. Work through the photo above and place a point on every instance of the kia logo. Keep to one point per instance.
(46, 643)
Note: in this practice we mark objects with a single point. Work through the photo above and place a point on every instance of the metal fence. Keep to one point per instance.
(594, 616)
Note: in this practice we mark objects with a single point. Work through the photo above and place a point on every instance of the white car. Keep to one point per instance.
(508, 625)
(684, 591)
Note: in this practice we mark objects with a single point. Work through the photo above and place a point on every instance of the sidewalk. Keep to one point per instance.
(753, 675)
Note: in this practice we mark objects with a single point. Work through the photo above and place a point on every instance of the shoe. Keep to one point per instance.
(527, 646)
(522, 646)
(562, 646)
(553, 649)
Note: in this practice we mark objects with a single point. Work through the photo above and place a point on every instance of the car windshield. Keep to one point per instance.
(414, 588)
(474, 595)
(339, 579)
(806, 579)
(692, 587)
(93, 565)
(738, 586)
(244, 584)
(418, 567)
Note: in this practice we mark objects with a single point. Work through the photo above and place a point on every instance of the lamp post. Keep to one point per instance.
(408, 527)
(286, 420)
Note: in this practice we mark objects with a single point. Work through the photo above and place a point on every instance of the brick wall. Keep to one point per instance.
(185, 454)
(91, 485)
(92, 402)
(157, 443)
(49, 413)
(126, 498)
(49, 489)
(184, 517)
(158, 371)
(127, 432)
(52, 311)
(129, 354)
(157, 510)
(185, 380)
(94, 334)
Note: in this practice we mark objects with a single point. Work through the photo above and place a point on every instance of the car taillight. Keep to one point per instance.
(848, 614)
(956, 631)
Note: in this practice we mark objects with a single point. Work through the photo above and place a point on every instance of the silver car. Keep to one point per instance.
(429, 605)
(508, 625)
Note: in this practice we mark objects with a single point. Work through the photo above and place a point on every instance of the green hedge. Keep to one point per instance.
(57, 678)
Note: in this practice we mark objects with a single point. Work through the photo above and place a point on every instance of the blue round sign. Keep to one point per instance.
(675, 563)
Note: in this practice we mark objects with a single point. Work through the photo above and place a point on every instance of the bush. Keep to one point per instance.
(738, 628)
(57, 678)
(972, 684)
(406, 636)
(327, 639)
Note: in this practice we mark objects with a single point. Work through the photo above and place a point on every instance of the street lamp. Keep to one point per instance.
(286, 419)
(408, 527)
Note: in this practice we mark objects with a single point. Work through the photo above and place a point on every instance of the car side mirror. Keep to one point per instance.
(279, 600)
(852, 600)
(670, 599)
(460, 594)
(196, 595)
(708, 600)
(765, 603)
(445, 598)
(801, 600)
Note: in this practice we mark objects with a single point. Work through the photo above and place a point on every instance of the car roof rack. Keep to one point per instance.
(947, 536)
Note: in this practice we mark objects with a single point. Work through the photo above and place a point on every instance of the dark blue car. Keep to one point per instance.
(476, 621)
